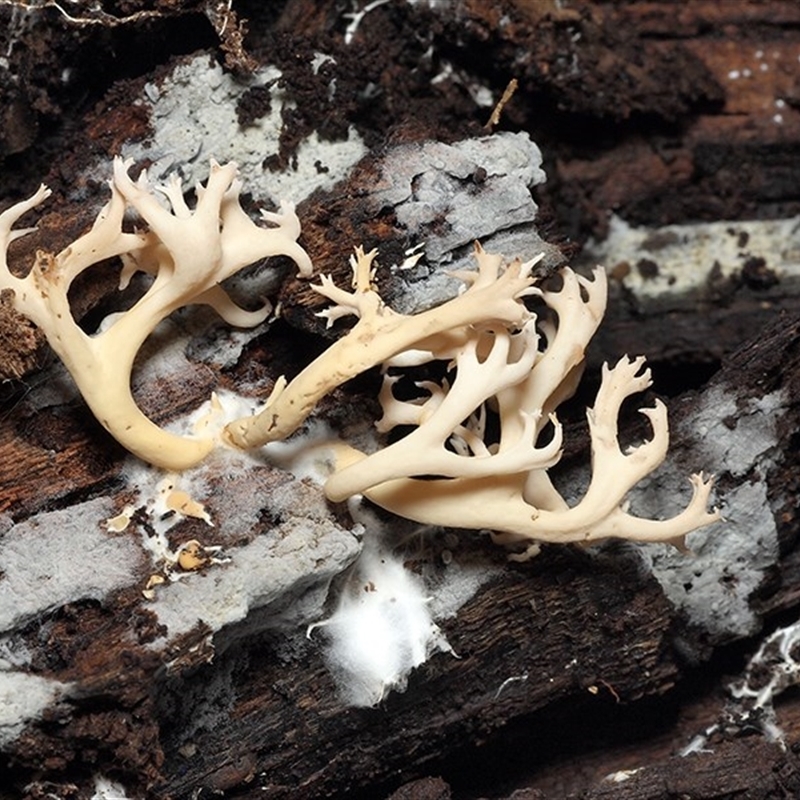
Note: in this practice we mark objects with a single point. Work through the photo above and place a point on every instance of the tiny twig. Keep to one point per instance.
(501, 104)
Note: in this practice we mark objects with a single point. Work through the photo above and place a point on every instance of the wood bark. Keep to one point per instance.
(567, 668)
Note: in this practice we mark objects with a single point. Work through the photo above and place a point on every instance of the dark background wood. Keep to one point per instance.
(648, 125)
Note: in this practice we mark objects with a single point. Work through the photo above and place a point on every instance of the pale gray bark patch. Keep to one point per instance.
(23, 698)
(60, 557)
(713, 583)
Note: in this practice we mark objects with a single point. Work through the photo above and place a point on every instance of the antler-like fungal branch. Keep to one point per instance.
(425, 450)
(188, 252)
(494, 297)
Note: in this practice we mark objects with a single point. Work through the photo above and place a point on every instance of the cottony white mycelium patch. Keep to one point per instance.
(382, 627)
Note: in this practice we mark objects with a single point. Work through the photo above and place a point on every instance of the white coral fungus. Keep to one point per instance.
(188, 251)
(450, 471)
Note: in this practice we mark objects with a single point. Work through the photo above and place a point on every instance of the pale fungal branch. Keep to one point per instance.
(497, 505)
(407, 412)
(494, 297)
(553, 378)
(469, 438)
(579, 307)
(424, 451)
(187, 251)
(363, 301)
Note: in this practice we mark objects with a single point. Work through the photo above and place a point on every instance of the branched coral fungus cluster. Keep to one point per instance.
(502, 362)
(188, 252)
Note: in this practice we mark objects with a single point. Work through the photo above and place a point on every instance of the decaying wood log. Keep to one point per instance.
(645, 113)
(536, 637)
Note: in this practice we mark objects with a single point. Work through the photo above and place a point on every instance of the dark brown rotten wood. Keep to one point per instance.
(548, 647)
(554, 631)
(545, 650)
(743, 768)
(569, 667)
